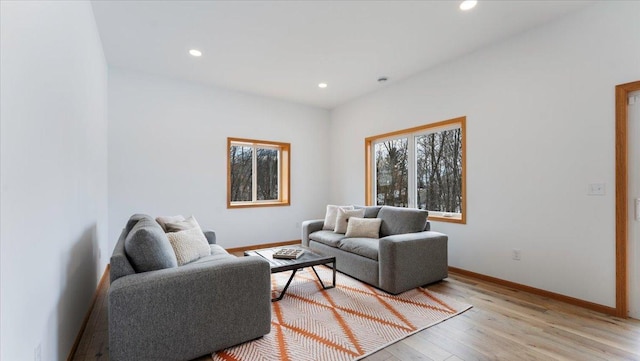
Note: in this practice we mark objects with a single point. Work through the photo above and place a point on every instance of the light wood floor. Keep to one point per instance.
(504, 324)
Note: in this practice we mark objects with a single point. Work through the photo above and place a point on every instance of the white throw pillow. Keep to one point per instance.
(183, 225)
(363, 227)
(189, 245)
(343, 218)
(330, 216)
(163, 220)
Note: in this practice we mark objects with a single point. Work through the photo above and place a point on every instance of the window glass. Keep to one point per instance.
(257, 173)
(267, 174)
(241, 159)
(439, 171)
(421, 167)
(392, 177)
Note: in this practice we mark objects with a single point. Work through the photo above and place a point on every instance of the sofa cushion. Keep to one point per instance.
(369, 211)
(216, 249)
(217, 253)
(163, 220)
(399, 220)
(148, 247)
(189, 223)
(212, 259)
(365, 247)
(134, 220)
(189, 245)
(363, 227)
(329, 238)
(331, 215)
(343, 218)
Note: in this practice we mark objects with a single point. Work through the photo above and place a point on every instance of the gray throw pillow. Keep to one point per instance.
(369, 211)
(148, 247)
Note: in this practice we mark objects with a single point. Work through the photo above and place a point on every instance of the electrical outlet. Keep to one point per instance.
(516, 254)
(596, 189)
(37, 353)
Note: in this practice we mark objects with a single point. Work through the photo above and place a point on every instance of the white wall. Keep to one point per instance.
(167, 155)
(53, 174)
(540, 128)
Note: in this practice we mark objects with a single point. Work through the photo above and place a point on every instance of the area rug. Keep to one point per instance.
(348, 322)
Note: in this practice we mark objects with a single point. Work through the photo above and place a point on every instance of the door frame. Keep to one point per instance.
(622, 179)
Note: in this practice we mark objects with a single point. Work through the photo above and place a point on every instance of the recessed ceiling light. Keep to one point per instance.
(322, 85)
(195, 52)
(468, 4)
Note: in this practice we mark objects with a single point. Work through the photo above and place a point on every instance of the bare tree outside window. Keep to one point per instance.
(241, 159)
(392, 174)
(421, 167)
(258, 173)
(439, 171)
(267, 174)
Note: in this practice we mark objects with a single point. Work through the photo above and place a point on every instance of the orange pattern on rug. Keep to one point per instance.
(343, 323)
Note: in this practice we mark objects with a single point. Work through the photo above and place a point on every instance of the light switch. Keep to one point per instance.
(596, 189)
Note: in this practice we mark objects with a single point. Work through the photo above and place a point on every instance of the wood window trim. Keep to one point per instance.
(622, 220)
(368, 142)
(284, 192)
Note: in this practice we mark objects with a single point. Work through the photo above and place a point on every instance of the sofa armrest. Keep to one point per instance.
(309, 227)
(412, 258)
(186, 312)
(211, 235)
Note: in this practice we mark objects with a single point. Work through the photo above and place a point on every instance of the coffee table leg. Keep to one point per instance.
(285, 287)
(322, 283)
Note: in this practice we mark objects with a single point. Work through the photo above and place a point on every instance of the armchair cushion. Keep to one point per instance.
(148, 248)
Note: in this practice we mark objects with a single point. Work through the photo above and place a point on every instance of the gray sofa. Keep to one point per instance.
(180, 313)
(406, 255)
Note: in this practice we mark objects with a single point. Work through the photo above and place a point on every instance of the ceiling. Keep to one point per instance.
(283, 49)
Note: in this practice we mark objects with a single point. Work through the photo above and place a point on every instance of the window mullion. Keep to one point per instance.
(254, 175)
(411, 170)
(374, 175)
(279, 160)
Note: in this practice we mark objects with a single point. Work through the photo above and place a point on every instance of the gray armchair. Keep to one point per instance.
(180, 313)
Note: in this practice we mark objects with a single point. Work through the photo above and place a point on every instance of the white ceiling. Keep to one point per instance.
(283, 49)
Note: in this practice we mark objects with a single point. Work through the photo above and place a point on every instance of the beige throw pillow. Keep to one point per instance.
(163, 220)
(363, 227)
(189, 223)
(343, 218)
(330, 216)
(189, 245)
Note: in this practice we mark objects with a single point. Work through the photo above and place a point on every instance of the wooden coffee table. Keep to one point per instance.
(308, 259)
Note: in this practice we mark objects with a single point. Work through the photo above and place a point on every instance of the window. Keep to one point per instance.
(257, 173)
(421, 167)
